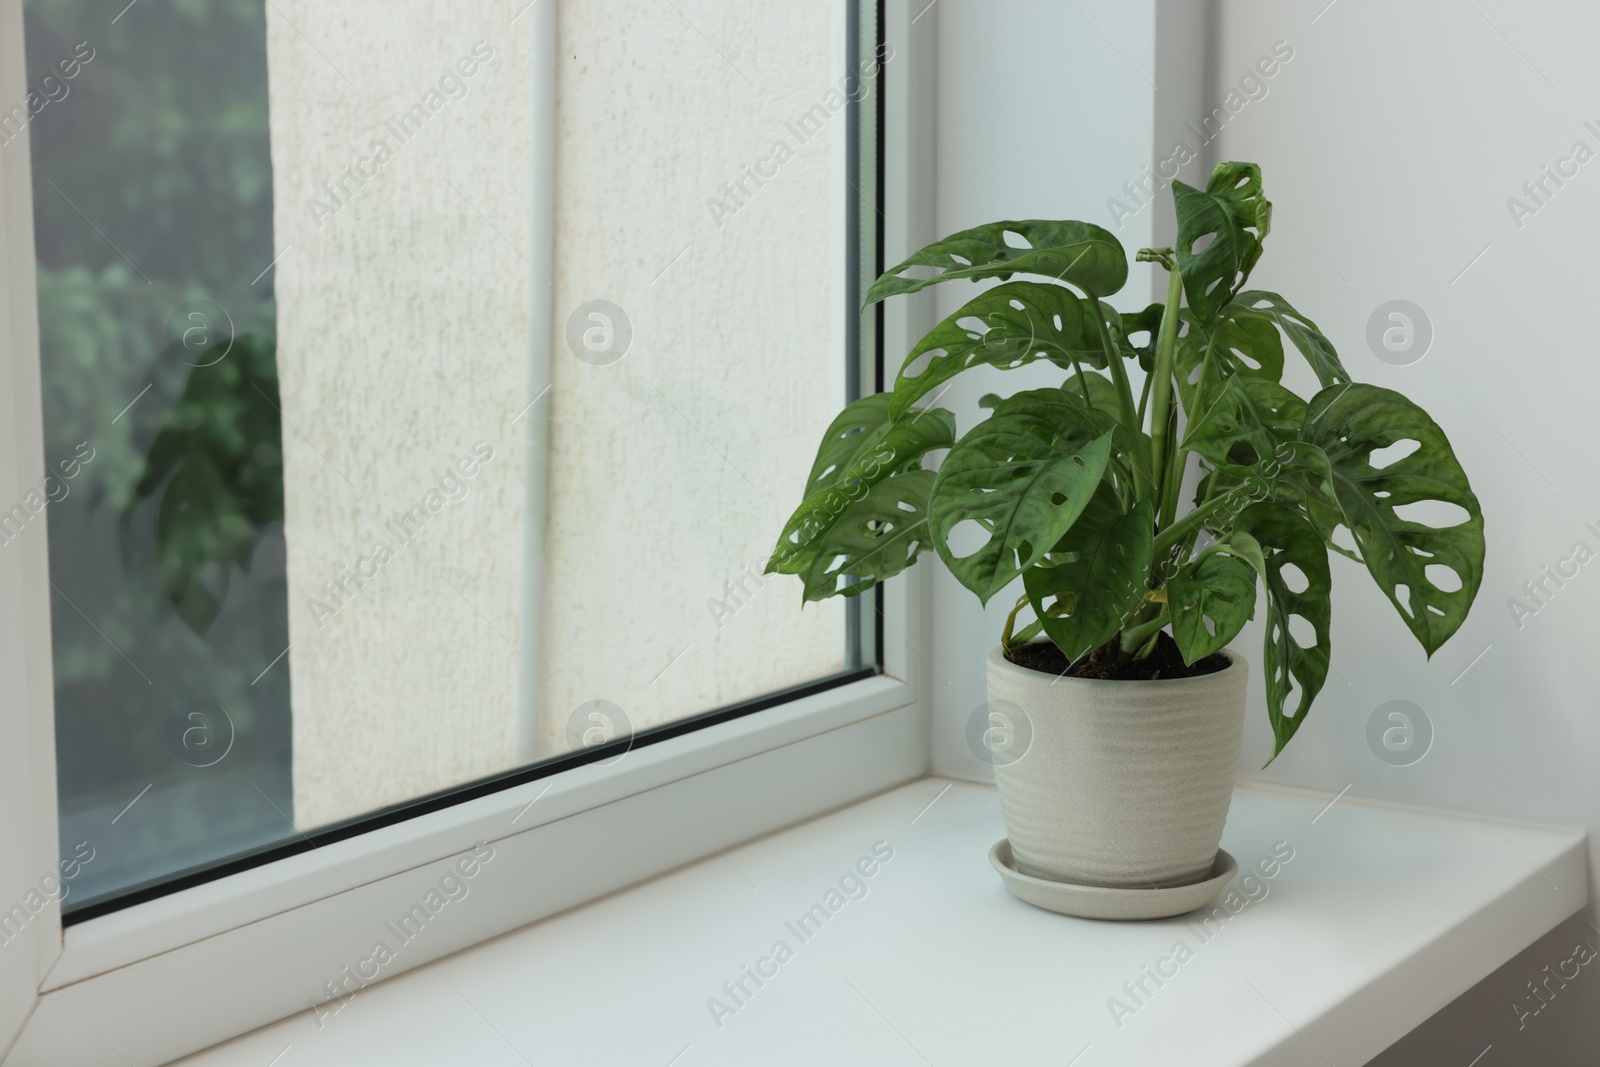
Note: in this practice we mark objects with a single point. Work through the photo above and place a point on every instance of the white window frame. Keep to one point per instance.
(256, 946)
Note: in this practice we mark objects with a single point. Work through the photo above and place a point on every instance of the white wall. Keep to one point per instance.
(671, 469)
(386, 296)
(1391, 147)
(407, 314)
(1390, 143)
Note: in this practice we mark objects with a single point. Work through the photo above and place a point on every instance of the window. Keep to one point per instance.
(399, 447)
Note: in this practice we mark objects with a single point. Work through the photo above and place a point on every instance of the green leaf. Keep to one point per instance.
(1095, 577)
(1210, 598)
(1006, 327)
(216, 472)
(1250, 340)
(1279, 410)
(1130, 451)
(1305, 479)
(874, 538)
(1147, 322)
(1229, 421)
(1077, 252)
(1352, 422)
(862, 447)
(1022, 475)
(852, 434)
(1103, 397)
(1232, 218)
(1317, 349)
(1293, 654)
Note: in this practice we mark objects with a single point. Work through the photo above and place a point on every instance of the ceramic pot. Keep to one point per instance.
(1116, 783)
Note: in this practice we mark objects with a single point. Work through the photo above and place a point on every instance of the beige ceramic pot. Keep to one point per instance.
(1115, 783)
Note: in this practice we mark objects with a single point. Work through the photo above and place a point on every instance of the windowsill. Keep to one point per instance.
(1384, 914)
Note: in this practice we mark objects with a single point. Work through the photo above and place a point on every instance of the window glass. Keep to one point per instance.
(354, 494)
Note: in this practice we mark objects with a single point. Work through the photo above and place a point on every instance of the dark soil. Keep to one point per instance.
(1110, 663)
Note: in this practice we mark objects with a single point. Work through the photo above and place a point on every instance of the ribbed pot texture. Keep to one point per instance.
(1121, 784)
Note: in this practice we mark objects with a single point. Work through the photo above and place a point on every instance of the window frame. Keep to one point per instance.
(241, 946)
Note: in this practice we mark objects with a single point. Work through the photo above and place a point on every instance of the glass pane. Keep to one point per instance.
(350, 499)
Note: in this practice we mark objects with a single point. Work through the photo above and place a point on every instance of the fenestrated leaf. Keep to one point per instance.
(1081, 253)
(1279, 410)
(1007, 326)
(1317, 349)
(874, 538)
(1210, 599)
(1304, 478)
(1022, 475)
(1130, 448)
(1233, 214)
(1095, 577)
(1230, 420)
(862, 448)
(852, 434)
(1352, 422)
(1250, 340)
(1292, 654)
(1124, 326)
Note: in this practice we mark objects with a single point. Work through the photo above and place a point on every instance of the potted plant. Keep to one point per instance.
(1114, 662)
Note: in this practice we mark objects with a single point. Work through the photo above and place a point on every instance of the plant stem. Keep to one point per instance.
(1174, 477)
(1119, 373)
(1006, 638)
(1185, 526)
(1141, 634)
(1161, 395)
(1144, 399)
(1205, 377)
(1077, 369)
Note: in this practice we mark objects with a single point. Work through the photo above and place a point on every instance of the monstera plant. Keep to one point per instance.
(1079, 489)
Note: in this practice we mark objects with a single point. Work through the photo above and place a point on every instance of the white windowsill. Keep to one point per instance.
(1383, 916)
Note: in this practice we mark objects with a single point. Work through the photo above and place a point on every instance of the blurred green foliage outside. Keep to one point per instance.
(152, 185)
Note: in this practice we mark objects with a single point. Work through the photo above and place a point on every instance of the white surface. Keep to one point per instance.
(297, 922)
(1382, 915)
(28, 849)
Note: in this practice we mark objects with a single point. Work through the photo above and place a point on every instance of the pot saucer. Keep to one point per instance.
(1102, 902)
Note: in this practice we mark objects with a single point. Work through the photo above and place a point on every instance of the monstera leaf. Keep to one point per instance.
(1220, 231)
(1229, 421)
(1077, 252)
(1147, 322)
(1353, 422)
(1250, 343)
(852, 434)
(873, 538)
(863, 447)
(1292, 655)
(1211, 598)
(1279, 410)
(1095, 577)
(1301, 331)
(1022, 476)
(1019, 322)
